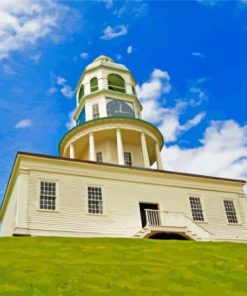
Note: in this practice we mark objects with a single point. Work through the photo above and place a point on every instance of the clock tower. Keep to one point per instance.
(109, 128)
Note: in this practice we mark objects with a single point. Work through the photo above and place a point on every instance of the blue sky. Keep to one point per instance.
(189, 58)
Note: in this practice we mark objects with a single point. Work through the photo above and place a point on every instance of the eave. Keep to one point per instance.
(138, 121)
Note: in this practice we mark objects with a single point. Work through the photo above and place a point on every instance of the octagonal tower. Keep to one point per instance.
(109, 128)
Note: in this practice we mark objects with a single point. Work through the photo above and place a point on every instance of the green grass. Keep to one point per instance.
(69, 266)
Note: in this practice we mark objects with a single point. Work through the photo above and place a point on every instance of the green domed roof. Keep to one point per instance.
(106, 62)
(103, 58)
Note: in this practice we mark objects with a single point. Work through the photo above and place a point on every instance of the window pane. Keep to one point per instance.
(116, 83)
(196, 209)
(95, 202)
(81, 92)
(94, 84)
(47, 196)
(127, 158)
(230, 211)
(96, 111)
(99, 157)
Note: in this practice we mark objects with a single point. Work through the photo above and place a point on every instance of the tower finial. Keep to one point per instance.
(104, 58)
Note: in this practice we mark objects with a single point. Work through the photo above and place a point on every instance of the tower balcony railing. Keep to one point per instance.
(159, 219)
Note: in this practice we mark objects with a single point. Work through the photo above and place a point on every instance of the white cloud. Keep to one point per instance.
(84, 55)
(209, 2)
(129, 49)
(158, 84)
(60, 84)
(171, 126)
(67, 91)
(7, 69)
(60, 80)
(71, 123)
(198, 54)
(200, 96)
(51, 90)
(109, 3)
(135, 9)
(168, 119)
(114, 32)
(23, 22)
(222, 152)
(24, 123)
(36, 57)
(119, 56)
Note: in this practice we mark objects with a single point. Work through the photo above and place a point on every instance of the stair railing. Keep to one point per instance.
(175, 219)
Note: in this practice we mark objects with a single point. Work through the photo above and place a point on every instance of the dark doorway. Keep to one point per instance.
(167, 236)
(146, 206)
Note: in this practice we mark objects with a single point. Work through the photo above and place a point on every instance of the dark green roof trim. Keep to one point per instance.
(109, 119)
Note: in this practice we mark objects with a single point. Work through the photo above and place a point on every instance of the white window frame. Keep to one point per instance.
(57, 201)
(96, 114)
(236, 211)
(202, 205)
(103, 200)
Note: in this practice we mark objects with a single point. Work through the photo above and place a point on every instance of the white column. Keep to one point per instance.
(128, 88)
(101, 82)
(145, 151)
(158, 157)
(71, 151)
(119, 147)
(91, 147)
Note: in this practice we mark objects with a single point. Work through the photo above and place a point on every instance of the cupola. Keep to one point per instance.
(109, 127)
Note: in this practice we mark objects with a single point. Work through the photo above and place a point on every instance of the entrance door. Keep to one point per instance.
(146, 206)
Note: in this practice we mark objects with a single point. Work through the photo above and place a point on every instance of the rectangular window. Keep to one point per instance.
(47, 196)
(230, 211)
(95, 202)
(127, 158)
(99, 157)
(95, 111)
(196, 209)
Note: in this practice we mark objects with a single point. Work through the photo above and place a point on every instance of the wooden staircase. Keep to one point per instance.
(172, 222)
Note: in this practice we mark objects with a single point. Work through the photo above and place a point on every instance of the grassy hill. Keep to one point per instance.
(70, 266)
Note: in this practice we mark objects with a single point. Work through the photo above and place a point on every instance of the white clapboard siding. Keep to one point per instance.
(123, 189)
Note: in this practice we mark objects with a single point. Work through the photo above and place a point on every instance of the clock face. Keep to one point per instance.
(120, 109)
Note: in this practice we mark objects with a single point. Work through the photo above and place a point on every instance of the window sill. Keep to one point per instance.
(235, 224)
(48, 211)
(97, 215)
(201, 222)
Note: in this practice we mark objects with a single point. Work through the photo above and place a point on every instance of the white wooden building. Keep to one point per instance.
(102, 183)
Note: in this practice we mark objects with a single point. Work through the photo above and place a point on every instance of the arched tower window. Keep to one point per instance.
(133, 90)
(94, 84)
(81, 92)
(116, 83)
